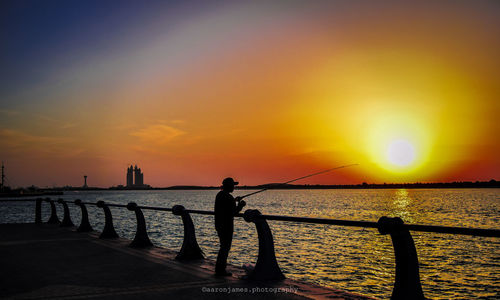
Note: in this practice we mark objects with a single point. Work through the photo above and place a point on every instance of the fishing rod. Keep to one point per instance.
(296, 179)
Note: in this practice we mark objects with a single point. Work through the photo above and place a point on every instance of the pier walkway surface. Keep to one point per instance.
(41, 261)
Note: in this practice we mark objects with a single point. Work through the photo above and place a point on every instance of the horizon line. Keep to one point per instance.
(269, 185)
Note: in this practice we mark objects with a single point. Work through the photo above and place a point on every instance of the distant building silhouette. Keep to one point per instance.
(135, 178)
(2, 182)
(85, 181)
(139, 177)
(130, 177)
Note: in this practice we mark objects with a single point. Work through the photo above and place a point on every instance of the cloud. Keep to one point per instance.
(19, 138)
(8, 112)
(18, 141)
(56, 122)
(68, 125)
(157, 134)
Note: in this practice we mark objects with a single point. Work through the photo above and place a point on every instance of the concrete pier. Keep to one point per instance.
(42, 261)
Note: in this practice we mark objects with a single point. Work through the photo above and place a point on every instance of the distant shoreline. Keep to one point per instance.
(277, 186)
(483, 184)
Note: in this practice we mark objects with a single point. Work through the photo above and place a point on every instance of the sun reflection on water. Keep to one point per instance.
(401, 201)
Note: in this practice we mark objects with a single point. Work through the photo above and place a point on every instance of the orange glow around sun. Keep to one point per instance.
(410, 92)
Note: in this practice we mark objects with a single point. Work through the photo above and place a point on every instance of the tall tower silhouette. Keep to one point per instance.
(2, 183)
(139, 177)
(130, 176)
(135, 178)
(85, 181)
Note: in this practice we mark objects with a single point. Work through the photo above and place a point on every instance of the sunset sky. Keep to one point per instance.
(193, 92)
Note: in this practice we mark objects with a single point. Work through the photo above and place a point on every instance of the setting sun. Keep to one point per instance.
(401, 153)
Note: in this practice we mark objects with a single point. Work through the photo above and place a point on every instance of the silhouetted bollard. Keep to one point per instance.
(141, 239)
(267, 267)
(66, 222)
(190, 248)
(53, 212)
(38, 211)
(407, 283)
(109, 230)
(84, 224)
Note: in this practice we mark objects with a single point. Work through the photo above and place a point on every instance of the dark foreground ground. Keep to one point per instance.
(49, 262)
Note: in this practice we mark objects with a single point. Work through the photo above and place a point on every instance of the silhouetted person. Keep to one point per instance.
(225, 210)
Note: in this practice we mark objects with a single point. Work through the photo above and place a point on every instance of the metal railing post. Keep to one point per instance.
(66, 222)
(407, 283)
(53, 212)
(38, 211)
(84, 224)
(109, 230)
(141, 239)
(190, 248)
(267, 267)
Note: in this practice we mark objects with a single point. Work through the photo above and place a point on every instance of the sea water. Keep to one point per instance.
(353, 259)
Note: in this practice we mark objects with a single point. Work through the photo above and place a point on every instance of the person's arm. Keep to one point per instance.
(241, 204)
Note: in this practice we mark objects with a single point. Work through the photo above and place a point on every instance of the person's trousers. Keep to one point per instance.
(225, 238)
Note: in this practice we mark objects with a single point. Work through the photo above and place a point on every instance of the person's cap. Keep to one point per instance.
(229, 181)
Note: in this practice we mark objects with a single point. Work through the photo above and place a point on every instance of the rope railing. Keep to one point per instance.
(407, 281)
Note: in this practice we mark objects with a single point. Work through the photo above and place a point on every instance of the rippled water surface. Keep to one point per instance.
(353, 259)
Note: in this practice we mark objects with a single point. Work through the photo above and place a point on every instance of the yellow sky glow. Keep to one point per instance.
(300, 92)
